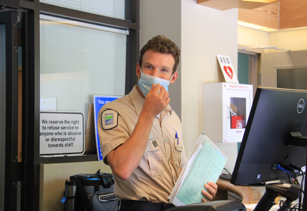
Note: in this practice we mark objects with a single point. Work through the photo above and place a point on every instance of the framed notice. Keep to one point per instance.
(61, 133)
(227, 69)
(100, 101)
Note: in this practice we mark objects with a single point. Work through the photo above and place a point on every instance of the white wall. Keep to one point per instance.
(201, 33)
(252, 37)
(53, 177)
(205, 33)
(160, 17)
(294, 40)
(270, 62)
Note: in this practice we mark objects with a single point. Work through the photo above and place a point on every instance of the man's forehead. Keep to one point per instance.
(151, 56)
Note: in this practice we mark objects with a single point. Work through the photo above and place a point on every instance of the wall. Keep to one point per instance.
(249, 37)
(201, 33)
(205, 33)
(270, 62)
(294, 40)
(53, 177)
(164, 18)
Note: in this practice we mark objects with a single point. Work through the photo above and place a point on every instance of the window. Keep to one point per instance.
(292, 78)
(243, 68)
(79, 60)
(110, 8)
(71, 50)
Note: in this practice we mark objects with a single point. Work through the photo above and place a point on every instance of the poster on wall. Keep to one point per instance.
(61, 133)
(227, 69)
(100, 101)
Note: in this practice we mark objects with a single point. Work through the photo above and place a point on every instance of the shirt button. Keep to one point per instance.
(166, 140)
(147, 147)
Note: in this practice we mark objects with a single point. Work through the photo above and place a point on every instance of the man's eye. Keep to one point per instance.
(148, 67)
(165, 70)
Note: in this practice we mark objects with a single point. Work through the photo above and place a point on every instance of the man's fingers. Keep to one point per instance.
(211, 191)
(157, 88)
(208, 196)
(165, 94)
(213, 185)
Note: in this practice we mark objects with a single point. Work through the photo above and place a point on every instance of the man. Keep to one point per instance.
(141, 136)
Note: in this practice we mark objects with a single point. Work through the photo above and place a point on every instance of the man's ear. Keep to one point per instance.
(174, 77)
(138, 70)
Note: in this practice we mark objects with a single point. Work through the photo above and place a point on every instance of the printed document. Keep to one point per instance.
(205, 164)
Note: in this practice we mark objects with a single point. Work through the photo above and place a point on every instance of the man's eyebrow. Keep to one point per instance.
(164, 67)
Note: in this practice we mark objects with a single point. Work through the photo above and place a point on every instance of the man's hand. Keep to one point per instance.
(156, 100)
(121, 160)
(212, 189)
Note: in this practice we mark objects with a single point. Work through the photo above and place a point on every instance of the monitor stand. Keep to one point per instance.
(296, 139)
(289, 191)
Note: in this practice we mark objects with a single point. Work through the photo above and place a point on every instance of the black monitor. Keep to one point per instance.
(267, 139)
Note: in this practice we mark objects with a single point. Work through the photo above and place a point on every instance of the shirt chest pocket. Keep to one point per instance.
(177, 152)
(154, 158)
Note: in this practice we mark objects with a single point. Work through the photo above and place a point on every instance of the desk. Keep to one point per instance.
(245, 194)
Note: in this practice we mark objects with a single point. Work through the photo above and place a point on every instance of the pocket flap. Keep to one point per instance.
(178, 144)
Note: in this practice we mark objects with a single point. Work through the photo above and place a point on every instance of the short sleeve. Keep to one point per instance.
(111, 135)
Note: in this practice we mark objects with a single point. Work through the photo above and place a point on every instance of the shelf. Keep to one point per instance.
(68, 159)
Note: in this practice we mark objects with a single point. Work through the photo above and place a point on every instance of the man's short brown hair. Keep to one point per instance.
(161, 44)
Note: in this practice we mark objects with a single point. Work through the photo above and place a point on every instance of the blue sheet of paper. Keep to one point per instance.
(207, 167)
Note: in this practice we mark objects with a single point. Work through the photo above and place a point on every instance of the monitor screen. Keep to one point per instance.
(274, 114)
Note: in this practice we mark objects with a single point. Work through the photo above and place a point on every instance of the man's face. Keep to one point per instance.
(158, 65)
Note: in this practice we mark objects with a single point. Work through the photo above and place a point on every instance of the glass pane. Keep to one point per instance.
(78, 61)
(294, 78)
(237, 112)
(243, 68)
(110, 8)
(2, 113)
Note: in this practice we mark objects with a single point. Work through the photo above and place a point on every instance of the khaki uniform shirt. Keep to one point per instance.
(158, 171)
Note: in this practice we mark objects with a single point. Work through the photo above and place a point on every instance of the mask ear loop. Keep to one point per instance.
(171, 77)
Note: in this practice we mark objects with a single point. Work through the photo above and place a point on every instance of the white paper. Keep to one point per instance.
(205, 164)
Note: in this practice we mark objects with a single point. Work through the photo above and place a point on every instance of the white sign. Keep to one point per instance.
(227, 69)
(61, 133)
(48, 104)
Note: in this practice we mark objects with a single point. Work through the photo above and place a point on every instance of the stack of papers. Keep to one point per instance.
(205, 164)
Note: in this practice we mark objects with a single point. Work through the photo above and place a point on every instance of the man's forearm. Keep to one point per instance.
(126, 158)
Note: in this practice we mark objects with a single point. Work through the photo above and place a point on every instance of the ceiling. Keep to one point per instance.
(229, 4)
(277, 15)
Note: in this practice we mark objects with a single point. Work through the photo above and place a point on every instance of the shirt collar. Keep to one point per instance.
(138, 101)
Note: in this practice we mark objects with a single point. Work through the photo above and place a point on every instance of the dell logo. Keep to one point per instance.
(300, 106)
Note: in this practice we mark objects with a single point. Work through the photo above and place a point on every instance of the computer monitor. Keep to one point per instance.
(266, 141)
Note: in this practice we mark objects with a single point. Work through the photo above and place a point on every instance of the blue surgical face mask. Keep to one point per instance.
(146, 82)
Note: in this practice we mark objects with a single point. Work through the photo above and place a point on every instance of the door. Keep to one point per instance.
(9, 39)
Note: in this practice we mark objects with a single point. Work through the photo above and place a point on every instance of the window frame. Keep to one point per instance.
(254, 75)
(29, 12)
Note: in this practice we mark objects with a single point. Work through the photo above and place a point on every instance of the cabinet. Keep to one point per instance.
(226, 109)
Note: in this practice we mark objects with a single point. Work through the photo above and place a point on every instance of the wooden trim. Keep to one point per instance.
(229, 4)
(266, 16)
(293, 14)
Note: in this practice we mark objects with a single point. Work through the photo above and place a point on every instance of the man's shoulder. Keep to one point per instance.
(118, 105)
(175, 116)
